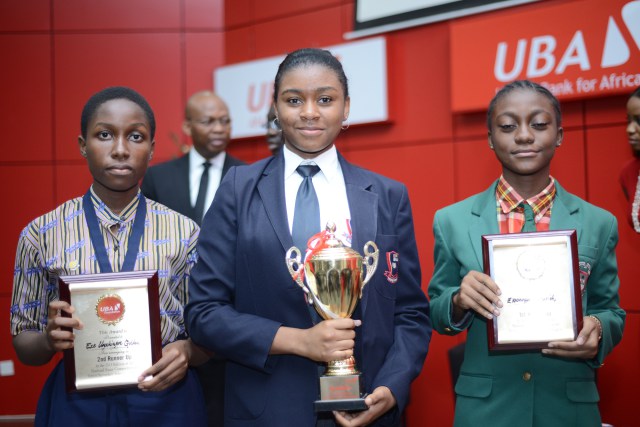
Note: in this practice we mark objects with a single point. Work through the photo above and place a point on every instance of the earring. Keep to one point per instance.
(273, 125)
(343, 126)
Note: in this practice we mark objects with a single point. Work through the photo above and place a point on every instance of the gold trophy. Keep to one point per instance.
(335, 277)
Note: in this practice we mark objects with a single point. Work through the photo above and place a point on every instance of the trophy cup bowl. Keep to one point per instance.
(333, 277)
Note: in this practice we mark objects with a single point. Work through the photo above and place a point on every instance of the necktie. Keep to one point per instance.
(202, 192)
(529, 222)
(306, 216)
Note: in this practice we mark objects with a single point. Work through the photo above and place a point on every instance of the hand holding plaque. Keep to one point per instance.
(540, 288)
(333, 277)
(121, 333)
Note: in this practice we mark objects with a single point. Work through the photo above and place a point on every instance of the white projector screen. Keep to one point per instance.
(378, 16)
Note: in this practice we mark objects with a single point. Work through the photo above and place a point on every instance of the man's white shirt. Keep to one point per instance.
(195, 174)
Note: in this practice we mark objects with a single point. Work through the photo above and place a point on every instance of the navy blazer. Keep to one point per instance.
(241, 293)
(168, 183)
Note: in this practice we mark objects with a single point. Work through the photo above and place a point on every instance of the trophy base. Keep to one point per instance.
(340, 405)
(340, 393)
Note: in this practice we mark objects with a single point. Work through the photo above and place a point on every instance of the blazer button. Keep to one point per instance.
(447, 329)
(526, 376)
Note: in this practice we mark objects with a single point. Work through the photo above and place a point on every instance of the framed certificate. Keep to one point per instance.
(540, 288)
(121, 334)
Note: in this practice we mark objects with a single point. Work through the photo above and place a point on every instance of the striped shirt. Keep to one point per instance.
(511, 213)
(58, 244)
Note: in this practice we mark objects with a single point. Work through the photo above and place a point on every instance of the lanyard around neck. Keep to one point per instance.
(98, 242)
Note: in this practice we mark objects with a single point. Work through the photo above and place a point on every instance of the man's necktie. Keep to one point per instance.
(306, 216)
(202, 192)
(529, 221)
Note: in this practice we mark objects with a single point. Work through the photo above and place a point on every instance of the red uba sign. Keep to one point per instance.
(577, 49)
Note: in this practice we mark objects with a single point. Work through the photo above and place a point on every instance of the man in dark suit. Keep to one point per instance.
(187, 186)
(177, 183)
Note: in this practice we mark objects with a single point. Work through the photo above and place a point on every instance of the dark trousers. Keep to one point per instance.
(211, 376)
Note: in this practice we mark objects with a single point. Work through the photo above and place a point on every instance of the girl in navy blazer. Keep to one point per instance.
(244, 304)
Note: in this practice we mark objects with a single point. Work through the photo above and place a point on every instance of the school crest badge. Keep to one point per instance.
(392, 267)
(585, 271)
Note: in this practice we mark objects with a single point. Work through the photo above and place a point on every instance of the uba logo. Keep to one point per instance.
(110, 309)
(545, 56)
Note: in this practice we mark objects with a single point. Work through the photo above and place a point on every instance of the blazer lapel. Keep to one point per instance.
(563, 212)
(271, 190)
(184, 196)
(361, 200)
(225, 166)
(484, 220)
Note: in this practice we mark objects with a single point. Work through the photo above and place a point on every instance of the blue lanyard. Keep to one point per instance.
(98, 242)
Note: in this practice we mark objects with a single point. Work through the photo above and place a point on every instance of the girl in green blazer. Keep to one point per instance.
(554, 386)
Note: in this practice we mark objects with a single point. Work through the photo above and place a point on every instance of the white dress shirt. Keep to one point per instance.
(329, 186)
(195, 173)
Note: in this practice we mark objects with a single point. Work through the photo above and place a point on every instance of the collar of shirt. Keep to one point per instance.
(196, 161)
(195, 174)
(509, 199)
(327, 162)
(107, 217)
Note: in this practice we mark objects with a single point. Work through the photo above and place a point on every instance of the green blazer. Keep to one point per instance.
(525, 388)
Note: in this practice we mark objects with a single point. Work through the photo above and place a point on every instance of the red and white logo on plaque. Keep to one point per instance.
(110, 309)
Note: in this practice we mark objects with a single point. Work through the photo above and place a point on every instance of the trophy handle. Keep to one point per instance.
(370, 261)
(296, 269)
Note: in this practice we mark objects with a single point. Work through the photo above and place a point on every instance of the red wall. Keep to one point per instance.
(57, 52)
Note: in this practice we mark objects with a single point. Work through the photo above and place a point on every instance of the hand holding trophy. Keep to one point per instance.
(333, 277)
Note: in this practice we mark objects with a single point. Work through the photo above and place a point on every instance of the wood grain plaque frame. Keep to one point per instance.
(121, 334)
(540, 288)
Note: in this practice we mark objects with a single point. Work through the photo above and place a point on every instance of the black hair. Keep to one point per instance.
(109, 94)
(306, 57)
(635, 93)
(528, 85)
